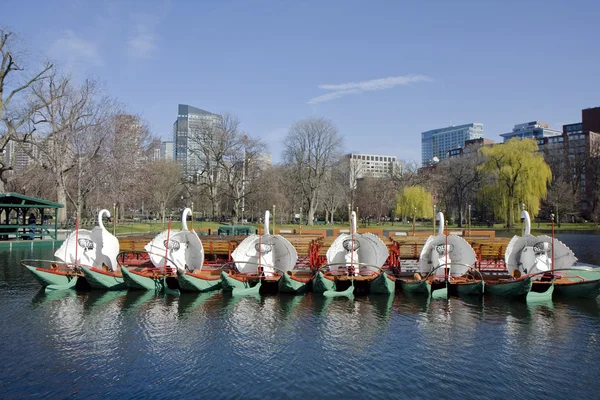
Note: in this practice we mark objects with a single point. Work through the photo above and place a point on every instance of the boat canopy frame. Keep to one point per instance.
(23, 205)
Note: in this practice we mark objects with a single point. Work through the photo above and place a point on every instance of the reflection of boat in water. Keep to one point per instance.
(95, 299)
(43, 296)
(135, 298)
(289, 302)
(188, 302)
(551, 265)
(258, 260)
(354, 264)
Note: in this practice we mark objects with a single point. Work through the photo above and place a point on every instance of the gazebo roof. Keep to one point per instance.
(19, 200)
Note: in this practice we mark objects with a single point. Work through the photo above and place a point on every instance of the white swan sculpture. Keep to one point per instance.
(185, 248)
(353, 248)
(441, 249)
(91, 248)
(272, 252)
(533, 254)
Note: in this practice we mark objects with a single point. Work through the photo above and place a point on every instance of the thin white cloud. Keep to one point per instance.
(142, 44)
(143, 40)
(72, 49)
(344, 89)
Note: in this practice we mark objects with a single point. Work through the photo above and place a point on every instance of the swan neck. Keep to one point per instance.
(440, 217)
(353, 217)
(267, 215)
(100, 214)
(184, 218)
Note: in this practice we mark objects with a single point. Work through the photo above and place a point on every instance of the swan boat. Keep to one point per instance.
(175, 259)
(551, 265)
(445, 266)
(188, 256)
(354, 262)
(104, 272)
(261, 259)
(82, 254)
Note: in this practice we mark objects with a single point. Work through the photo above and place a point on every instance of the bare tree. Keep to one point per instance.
(337, 188)
(161, 186)
(460, 179)
(70, 122)
(215, 146)
(311, 147)
(15, 109)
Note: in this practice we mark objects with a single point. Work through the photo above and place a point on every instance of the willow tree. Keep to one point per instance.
(518, 174)
(414, 200)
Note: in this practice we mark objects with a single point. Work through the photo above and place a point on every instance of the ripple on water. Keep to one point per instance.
(143, 345)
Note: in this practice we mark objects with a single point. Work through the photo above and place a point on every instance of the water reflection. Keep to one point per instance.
(101, 344)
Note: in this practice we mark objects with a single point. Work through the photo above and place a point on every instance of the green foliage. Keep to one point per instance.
(516, 173)
(414, 197)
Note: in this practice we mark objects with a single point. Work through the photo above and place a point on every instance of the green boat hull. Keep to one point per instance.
(382, 284)
(468, 289)
(585, 289)
(322, 284)
(287, 284)
(413, 286)
(48, 278)
(136, 281)
(237, 287)
(345, 293)
(440, 294)
(194, 283)
(104, 281)
(540, 297)
(516, 288)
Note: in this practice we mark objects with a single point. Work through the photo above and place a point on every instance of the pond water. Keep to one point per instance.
(140, 345)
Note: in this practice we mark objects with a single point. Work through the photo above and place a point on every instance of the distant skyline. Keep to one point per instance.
(382, 71)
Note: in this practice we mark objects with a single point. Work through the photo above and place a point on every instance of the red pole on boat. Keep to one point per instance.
(76, 237)
(259, 269)
(552, 242)
(446, 251)
(352, 248)
(167, 245)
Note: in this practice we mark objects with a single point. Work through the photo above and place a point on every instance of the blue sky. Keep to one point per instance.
(382, 71)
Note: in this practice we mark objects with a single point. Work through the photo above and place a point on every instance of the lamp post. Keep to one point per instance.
(244, 142)
(434, 215)
(273, 220)
(469, 221)
(114, 219)
(414, 212)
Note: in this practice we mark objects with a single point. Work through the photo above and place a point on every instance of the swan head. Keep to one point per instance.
(100, 214)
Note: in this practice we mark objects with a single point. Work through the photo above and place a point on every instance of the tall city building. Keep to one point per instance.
(18, 155)
(436, 143)
(370, 165)
(166, 150)
(188, 130)
(531, 130)
(571, 151)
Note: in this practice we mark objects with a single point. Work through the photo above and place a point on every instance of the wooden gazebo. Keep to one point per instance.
(17, 215)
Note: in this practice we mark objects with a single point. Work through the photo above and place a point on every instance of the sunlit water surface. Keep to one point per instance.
(139, 345)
